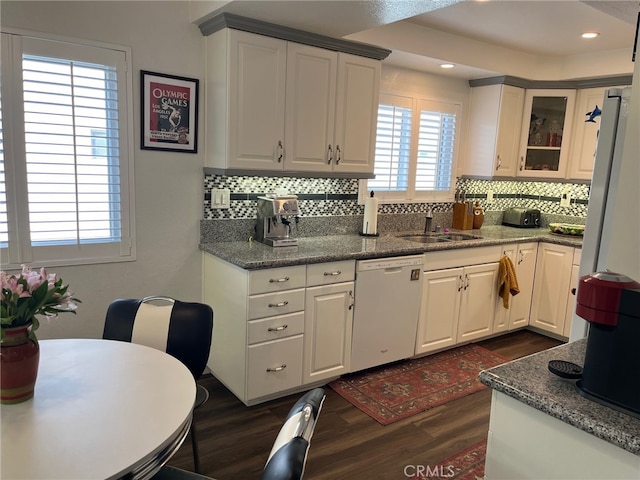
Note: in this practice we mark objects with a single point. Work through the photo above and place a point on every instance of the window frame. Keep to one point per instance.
(411, 195)
(20, 250)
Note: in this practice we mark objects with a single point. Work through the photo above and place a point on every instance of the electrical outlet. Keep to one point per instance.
(220, 198)
(489, 196)
(565, 199)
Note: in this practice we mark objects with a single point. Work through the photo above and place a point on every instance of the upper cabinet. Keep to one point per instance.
(495, 116)
(275, 105)
(546, 129)
(585, 132)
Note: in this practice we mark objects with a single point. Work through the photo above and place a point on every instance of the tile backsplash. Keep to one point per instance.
(331, 205)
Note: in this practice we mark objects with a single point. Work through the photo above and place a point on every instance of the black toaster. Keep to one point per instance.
(521, 217)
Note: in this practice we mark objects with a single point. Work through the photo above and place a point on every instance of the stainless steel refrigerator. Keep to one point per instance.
(612, 233)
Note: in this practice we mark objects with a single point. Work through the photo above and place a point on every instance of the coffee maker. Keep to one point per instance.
(275, 214)
(610, 302)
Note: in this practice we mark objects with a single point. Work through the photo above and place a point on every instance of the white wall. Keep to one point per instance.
(168, 186)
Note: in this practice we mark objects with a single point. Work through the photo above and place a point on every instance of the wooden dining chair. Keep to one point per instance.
(182, 329)
(288, 455)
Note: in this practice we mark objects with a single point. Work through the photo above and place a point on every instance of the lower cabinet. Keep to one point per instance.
(278, 330)
(573, 285)
(551, 288)
(328, 325)
(517, 315)
(458, 304)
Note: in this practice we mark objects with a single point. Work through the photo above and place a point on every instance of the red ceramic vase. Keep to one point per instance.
(19, 357)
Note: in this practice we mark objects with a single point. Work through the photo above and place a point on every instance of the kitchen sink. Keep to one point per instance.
(440, 238)
(425, 238)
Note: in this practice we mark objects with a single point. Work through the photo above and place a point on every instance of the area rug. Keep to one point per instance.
(397, 391)
(465, 465)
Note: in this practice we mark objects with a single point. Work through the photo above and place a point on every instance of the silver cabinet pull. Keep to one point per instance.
(460, 283)
(280, 151)
(521, 163)
(277, 369)
(279, 304)
(329, 155)
(466, 277)
(521, 259)
(338, 154)
(279, 280)
(352, 299)
(498, 163)
(332, 274)
(277, 329)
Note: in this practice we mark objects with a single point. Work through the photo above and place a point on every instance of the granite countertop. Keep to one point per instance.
(529, 380)
(255, 255)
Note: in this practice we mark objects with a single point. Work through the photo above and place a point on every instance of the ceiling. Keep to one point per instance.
(482, 38)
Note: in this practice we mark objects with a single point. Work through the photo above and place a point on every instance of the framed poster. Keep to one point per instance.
(169, 112)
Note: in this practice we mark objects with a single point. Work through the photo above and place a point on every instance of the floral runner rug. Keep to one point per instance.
(399, 390)
(467, 464)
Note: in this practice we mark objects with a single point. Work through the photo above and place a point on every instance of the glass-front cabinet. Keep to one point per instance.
(544, 145)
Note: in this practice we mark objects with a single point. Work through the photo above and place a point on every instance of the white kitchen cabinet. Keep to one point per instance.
(495, 119)
(458, 297)
(585, 133)
(245, 98)
(573, 285)
(281, 106)
(329, 324)
(546, 133)
(439, 310)
(478, 302)
(517, 315)
(551, 287)
(278, 330)
(328, 320)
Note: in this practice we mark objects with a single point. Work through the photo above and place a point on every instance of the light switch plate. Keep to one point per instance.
(489, 196)
(565, 199)
(220, 198)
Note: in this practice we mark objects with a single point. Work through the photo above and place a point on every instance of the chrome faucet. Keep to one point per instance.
(427, 224)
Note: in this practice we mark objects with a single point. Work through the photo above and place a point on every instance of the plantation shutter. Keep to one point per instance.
(68, 153)
(393, 145)
(72, 150)
(436, 142)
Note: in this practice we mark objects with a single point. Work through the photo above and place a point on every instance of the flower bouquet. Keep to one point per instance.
(32, 293)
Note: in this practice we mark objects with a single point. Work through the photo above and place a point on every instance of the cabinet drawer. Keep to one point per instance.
(272, 328)
(277, 279)
(461, 257)
(270, 304)
(274, 367)
(334, 272)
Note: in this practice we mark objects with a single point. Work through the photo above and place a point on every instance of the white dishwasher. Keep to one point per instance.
(387, 305)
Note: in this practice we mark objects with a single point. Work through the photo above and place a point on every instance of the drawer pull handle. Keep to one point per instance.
(277, 329)
(279, 280)
(277, 369)
(332, 274)
(279, 304)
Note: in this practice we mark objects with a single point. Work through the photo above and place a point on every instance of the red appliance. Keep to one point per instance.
(610, 302)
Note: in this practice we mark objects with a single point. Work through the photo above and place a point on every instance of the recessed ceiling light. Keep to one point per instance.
(590, 34)
(447, 65)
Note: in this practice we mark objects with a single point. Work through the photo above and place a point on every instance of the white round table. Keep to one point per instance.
(102, 409)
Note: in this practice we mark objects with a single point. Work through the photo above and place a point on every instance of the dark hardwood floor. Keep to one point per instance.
(235, 440)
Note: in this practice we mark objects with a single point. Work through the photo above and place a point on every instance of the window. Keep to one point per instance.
(415, 150)
(65, 195)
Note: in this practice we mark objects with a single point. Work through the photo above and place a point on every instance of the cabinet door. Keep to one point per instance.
(439, 309)
(585, 133)
(477, 308)
(524, 261)
(356, 113)
(551, 287)
(256, 103)
(328, 326)
(508, 142)
(571, 300)
(310, 108)
(546, 127)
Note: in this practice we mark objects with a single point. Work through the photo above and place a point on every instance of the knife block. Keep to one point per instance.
(462, 216)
